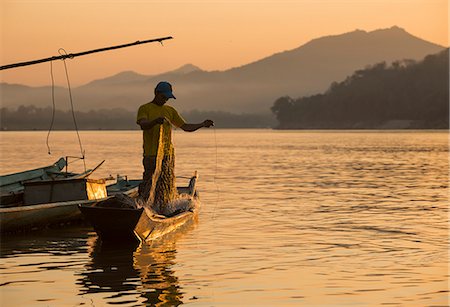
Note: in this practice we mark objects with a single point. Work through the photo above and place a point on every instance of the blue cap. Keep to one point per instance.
(165, 88)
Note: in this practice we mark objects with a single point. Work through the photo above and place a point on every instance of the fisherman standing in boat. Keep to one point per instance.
(150, 117)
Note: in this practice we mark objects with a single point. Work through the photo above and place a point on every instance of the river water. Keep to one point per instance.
(295, 218)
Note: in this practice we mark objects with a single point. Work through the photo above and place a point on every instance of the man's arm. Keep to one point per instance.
(194, 127)
(149, 124)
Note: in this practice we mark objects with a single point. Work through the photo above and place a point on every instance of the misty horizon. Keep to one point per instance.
(192, 67)
(252, 88)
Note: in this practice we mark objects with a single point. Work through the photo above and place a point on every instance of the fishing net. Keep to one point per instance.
(162, 188)
(158, 192)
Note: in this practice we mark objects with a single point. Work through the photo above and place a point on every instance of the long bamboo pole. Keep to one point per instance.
(72, 55)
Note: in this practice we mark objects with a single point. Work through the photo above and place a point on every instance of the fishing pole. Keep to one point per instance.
(73, 55)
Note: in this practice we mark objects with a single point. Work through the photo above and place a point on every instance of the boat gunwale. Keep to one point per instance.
(60, 204)
(107, 208)
(154, 217)
(166, 219)
(45, 169)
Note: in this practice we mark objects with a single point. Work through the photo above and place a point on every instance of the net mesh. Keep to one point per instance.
(162, 186)
(163, 197)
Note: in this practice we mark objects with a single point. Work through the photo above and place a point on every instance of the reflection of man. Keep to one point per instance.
(150, 116)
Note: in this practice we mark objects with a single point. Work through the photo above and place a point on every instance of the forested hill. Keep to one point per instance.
(405, 94)
(251, 88)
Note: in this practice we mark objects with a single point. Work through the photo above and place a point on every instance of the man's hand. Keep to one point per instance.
(208, 123)
(160, 120)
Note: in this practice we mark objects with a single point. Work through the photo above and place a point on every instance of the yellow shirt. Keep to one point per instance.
(151, 111)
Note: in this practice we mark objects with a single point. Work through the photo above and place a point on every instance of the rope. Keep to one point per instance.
(215, 207)
(53, 110)
(215, 175)
(62, 52)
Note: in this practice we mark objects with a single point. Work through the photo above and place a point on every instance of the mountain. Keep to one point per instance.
(125, 77)
(250, 88)
(185, 69)
(130, 77)
(404, 95)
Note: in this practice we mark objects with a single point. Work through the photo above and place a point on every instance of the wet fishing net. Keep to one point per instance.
(158, 193)
(163, 196)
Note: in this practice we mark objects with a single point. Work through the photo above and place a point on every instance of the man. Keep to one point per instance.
(150, 116)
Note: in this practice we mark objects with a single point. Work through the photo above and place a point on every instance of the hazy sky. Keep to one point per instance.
(214, 35)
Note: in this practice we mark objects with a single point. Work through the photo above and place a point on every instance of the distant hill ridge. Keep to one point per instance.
(405, 95)
(125, 77)
(251, 88)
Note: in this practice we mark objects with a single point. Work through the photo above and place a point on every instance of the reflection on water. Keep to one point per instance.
(159, 283)
(37, 266)
(110, 270)
(52, 242)
(298, 218)
(122, 273)
(129, 273)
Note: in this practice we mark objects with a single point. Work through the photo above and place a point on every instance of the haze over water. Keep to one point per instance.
(288, 218)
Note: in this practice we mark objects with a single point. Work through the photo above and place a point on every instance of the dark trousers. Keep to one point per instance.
(149, 163)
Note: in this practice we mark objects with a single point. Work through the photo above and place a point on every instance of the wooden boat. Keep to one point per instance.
(63, 198)
(12, 185)
(113, 222)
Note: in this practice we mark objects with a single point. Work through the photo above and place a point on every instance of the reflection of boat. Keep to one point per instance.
(160, 285)
(47, 242)
(12, 185)
(130, 273)
(111, 221)
(110, 269)
(56, 201)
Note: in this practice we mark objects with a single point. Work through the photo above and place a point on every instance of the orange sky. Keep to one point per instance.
(214, 35)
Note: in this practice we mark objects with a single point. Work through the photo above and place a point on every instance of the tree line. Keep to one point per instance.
(34, 118)
(405, 94)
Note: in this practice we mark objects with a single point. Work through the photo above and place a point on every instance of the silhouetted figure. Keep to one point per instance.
(150, 117)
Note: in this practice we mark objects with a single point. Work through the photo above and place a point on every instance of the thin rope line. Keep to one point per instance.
(215, 175)
(214, 210)
(61, 51)
(53, 111)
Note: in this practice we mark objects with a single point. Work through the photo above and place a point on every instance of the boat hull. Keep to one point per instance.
(120, 223)
(13, 219)
(11, 186)
(27, 217)
(150, 228)
(112, 223)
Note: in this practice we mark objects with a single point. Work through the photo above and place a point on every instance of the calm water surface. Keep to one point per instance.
(288, 218)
